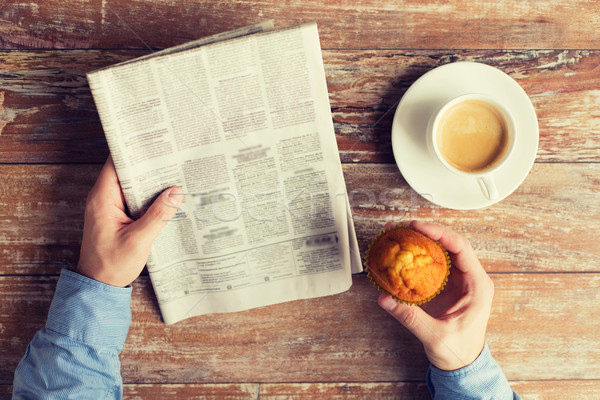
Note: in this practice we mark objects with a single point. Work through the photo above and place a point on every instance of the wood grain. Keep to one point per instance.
(547, 390)
(564, 87)
(524, 232)
(374, 24)
(557, 389)
(48, 114)
(345, 391)
(42, 214)
(232, 391)
(270, 345)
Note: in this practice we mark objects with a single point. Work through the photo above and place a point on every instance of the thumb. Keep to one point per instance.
(411, 317)
(158, 215)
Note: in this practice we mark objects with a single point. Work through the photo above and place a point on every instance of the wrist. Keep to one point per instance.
(453, 361)
(101, 275)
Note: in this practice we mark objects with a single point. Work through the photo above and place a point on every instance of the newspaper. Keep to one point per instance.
(242, 122)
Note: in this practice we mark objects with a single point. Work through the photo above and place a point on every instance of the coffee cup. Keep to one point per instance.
(473, 135)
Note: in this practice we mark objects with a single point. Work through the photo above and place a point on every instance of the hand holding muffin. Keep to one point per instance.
(452, 325)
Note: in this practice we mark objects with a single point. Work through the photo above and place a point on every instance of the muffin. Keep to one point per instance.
(407, 264)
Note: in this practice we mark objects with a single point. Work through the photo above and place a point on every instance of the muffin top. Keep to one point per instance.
(407, 264)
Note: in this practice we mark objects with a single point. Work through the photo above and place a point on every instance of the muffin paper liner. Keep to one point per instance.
(384, 290)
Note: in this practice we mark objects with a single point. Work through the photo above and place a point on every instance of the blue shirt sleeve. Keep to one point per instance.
(481, 380)
(77, 354)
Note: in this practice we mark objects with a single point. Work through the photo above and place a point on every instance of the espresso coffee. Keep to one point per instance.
(472, 136)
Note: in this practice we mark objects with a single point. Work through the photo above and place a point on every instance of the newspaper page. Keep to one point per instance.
(244, 127)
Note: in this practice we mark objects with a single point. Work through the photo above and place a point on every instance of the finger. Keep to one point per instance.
(412, 318)
(108, 173)
(451, 241)
(158, 215)
(107, 185)
(110, 161)
(463, 255)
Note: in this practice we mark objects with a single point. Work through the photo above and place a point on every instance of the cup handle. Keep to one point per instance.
(488, 187)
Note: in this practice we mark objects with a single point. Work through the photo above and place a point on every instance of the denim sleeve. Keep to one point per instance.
(77, 354)
(481, 380)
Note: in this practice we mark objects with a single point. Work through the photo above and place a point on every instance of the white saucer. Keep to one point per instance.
(423, 171)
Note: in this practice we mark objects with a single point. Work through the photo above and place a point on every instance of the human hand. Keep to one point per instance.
(115, 248)
(452, 325)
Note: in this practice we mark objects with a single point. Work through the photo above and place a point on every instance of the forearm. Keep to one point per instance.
(483, 379)
(77, 354)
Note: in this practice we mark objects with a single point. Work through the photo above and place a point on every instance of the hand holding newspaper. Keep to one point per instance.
(242, 122)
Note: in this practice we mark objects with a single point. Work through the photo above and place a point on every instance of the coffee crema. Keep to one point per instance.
(472, 136)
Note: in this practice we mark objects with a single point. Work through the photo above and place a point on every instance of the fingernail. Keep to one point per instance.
(388, 303)
(176, 197)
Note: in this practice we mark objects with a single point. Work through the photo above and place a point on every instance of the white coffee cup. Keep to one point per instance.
(473, 135)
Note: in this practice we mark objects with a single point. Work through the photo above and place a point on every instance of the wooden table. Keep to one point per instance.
(540, 245)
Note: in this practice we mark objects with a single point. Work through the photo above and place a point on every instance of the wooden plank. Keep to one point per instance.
(231, 391)
(564, 86)
(23, 310)
(361, 24)
(537, 329)
(46, 109)
(557, 389)
(48, 114)
(547, 390)
(5, 391)
(345, 391)
(533, 333)
(537, 228)
(42, 216)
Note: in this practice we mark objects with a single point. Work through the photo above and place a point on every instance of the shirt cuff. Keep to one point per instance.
(482, 379)
(90, 311)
